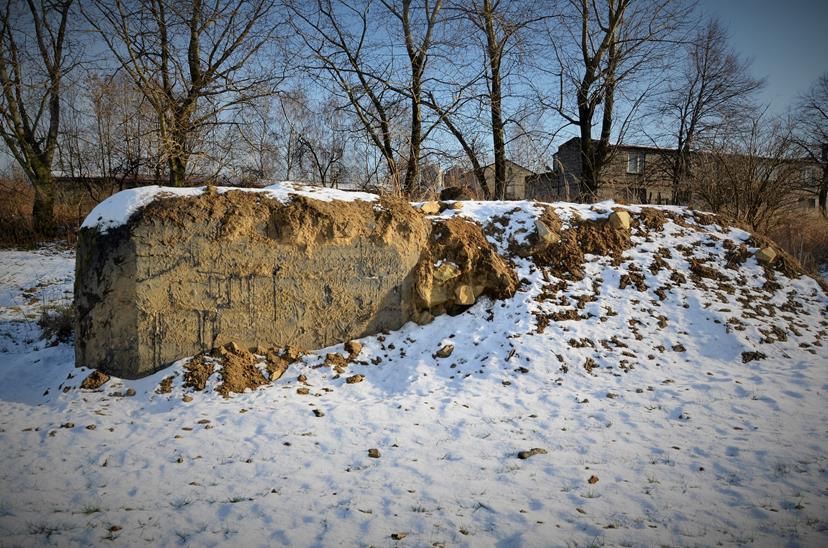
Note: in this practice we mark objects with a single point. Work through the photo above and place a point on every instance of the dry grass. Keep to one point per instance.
(16, 230)
(57, 323)
(805, 237)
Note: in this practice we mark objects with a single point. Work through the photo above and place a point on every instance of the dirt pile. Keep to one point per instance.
(566, 258)
(458, 266)
(237, 369)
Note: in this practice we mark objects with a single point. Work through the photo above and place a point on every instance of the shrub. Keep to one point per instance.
(805, 237)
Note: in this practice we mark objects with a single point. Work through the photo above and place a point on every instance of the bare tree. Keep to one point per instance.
(364, 73)
(108, 136)
(749, 172)
(811, 135)
(714, 88)
(607, 45)
(31, 78)
(501, 23)
(193, 61)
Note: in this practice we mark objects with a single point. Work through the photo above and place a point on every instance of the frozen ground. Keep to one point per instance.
(670, 439)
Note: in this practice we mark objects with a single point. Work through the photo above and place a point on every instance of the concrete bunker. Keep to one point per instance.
(187, 274)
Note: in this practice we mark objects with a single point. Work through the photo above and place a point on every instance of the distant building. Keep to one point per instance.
(516, 177)
(635, 174)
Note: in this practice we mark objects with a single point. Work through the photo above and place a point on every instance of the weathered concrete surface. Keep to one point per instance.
(189, 274)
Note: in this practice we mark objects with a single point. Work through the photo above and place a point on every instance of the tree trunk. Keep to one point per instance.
(412, 170)
(822, 194)
(178, 170)
(43, 210)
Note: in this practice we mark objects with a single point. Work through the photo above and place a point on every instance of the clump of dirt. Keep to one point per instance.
(566, 259)
(165, 386)
(564, 315)
(197, 371)
(735, 256)
(238, 371)
(659, 261)
(95, 380)
(751, 356)
(458, 266)
(701, 270)
(653, 219)
(633, 278)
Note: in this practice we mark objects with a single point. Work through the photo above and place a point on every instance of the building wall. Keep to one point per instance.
(515, 180)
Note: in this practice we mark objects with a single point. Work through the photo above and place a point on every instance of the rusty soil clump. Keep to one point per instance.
(566, 259)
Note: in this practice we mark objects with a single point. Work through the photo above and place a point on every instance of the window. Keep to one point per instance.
(635, 163)
(811, 175)
(808, 203)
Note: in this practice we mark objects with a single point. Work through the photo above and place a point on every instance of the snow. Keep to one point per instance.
(690, 445)
(118, 208)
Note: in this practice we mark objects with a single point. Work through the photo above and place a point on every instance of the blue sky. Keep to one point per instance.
(787, 40)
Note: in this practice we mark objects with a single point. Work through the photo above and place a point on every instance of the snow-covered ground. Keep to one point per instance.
(670, 439)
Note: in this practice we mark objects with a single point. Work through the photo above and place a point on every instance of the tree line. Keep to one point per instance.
(374, 93)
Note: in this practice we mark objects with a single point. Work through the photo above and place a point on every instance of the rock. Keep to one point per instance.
(430, 208)
(303, 390)
(619, 220)
(292, 353)
(353, 348)
(95, 380)
(398, 536)
(451, 205)
(318, 413)
(445, 351)
(187, 398)
(374, 453)
(336, 360)
(531, 453)
(445, 272)
(546, 235)
(233, 347)
(91, 426)
(423, 317)
(593, 479)
(464, 295)
(353, 379)
(765, 256)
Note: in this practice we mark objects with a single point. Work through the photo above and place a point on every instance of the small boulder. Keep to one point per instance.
(464, 295)
(620, 220)
(430, 208)
(765, 256)
(446, 271)
(523, 455)
(353, 379)
(374, 453)
(353, 348)
(445, 351)
(546, 236)
(423, 317)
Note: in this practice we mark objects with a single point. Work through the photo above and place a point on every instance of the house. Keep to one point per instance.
(516, 177)
(641, 174)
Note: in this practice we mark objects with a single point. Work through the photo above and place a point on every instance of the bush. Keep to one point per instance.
(805, 237)
(16, 229)
(57, 323)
